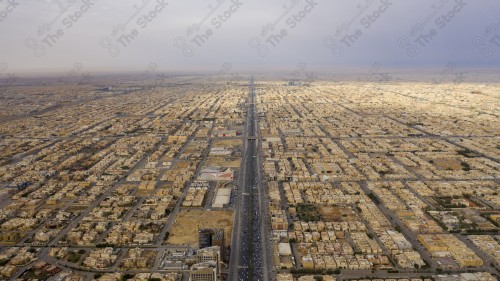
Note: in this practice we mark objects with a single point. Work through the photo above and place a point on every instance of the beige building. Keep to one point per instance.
(207, 271)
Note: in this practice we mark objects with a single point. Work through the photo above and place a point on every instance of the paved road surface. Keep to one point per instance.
(250, 251)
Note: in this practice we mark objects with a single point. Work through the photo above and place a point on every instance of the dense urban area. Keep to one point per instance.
(200, 178)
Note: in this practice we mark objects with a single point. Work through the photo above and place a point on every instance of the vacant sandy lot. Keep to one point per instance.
(185, 229)
(221, 162)
(336, 213)
(231, 143)
(448, 164)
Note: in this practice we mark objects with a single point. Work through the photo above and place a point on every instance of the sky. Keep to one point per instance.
(46, 36)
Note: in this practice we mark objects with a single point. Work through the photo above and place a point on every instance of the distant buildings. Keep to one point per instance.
(447, 245)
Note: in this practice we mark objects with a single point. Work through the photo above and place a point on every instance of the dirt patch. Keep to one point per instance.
(336, 213)
(231, 143)
(222, 162)
(185, 229)
(448, 164)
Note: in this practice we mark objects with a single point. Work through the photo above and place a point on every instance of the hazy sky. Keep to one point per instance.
(251, 35)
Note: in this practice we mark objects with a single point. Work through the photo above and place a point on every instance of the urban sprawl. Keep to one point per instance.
(250, 179)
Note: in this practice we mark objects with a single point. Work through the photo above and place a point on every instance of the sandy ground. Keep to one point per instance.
(336, 213)
(185, 229)
(231, 143)
(448, 164)
(219, 161)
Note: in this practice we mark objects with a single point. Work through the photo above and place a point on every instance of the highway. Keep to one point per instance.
(250, 256)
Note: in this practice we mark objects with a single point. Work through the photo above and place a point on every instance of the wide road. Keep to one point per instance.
(249, 251)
